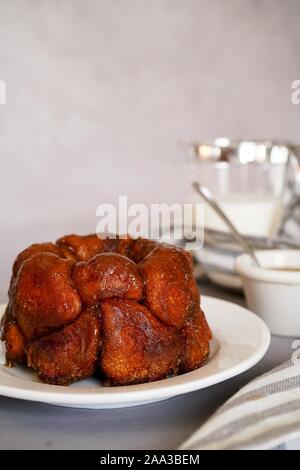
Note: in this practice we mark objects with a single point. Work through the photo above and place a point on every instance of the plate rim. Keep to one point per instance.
(157, 390)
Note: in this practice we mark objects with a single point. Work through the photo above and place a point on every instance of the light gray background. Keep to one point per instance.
(100, 94)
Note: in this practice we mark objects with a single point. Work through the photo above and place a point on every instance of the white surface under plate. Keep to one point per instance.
(240, 341)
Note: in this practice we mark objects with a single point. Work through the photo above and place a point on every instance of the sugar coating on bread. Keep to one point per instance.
(126, 308)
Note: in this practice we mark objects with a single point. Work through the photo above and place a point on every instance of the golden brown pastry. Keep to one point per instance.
(69, 354)
(33, 250)
(141, 248)
(14, 339)
(169, 285)
(42, 295)
(121, 245)
(196, 335)
(107, 275)
(136, 346)
(142, 293)
(83, 247)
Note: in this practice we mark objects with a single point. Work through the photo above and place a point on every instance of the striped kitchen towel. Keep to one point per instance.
(265, 414)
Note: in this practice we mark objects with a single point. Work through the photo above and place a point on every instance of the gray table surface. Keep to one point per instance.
(164, 425)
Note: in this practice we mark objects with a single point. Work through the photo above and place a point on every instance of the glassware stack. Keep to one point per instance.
(257, 184)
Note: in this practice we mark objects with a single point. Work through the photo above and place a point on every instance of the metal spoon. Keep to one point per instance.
(207, 196)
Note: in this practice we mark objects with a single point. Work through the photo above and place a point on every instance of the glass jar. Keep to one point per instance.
(253, 181)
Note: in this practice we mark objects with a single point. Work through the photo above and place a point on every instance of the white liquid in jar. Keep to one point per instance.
(254, 215)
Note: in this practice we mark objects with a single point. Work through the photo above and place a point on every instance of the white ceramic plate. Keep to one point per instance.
(240, 341)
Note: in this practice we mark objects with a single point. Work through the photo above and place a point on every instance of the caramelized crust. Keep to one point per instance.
(195, 337)
(136, 346)
(42, 295)
(141, 248)
(169, 285)
(151, 322)
(83, 247)
(67, 355)
(122, 246)
(33, 250)
(105, 276)
(14, 339)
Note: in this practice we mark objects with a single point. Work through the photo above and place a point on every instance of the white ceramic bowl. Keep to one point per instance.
(273, 294)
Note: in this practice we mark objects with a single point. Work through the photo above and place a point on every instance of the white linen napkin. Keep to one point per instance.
(265, 414)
